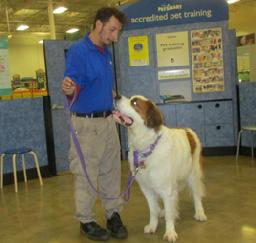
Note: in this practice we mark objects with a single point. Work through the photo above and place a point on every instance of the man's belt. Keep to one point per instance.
(93, 115)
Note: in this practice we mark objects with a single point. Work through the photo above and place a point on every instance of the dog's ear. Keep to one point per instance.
(154, 118)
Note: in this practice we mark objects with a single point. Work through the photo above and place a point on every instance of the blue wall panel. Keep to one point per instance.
(22, 125)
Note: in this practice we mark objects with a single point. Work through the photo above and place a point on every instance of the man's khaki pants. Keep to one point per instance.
(100, 145)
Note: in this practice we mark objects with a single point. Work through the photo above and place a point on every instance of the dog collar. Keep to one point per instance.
(138, 155)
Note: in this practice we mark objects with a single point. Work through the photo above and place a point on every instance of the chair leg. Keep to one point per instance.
(1, 170)
(14, 172)
(253, 145)
(24, 167)
(238, 144)
(37, 167)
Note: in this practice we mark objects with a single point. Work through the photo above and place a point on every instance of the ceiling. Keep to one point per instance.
(34, 13)
(80, 14)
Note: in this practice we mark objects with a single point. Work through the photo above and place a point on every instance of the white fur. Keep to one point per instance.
(170, 164)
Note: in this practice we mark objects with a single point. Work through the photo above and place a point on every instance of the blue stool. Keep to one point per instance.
(14, 153)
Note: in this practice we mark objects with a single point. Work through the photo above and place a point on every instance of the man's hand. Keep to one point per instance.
(68, 86)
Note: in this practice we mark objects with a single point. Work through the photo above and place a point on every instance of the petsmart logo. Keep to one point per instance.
(169, 7)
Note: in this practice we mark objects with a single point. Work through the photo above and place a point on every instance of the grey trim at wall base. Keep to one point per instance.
(247, 151)
(31, 174)
(219, 151)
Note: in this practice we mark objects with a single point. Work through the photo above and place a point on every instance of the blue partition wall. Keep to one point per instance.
(22, 125)
(54, 51)
(247, 105)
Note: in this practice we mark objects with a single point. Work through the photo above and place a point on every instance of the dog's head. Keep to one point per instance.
(138, 110)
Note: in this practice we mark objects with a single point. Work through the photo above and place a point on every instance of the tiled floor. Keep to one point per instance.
(45, 214)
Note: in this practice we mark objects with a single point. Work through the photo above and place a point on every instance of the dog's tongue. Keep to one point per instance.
(121, 118)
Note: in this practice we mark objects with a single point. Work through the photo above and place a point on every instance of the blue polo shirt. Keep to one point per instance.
(92, 70)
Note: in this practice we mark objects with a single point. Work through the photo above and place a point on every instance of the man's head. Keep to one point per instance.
(108, 24)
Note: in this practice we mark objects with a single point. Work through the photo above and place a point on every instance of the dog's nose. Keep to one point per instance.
(118, 97)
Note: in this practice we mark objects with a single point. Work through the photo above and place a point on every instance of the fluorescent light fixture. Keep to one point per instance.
(41, 42)
(73, 30)
(59, 10)
(22, 27)
(232, 1)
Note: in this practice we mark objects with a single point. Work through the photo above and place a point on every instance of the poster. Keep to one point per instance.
(138, 50)
(5, 83)
(207, 60)
(172, 49)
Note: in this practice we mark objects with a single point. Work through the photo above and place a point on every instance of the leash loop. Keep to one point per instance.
(126, 193)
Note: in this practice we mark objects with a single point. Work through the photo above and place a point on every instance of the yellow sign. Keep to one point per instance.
(138, 50)
(172, 49)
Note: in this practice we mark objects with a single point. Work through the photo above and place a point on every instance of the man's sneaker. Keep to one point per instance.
(94, 232)
(116, 227)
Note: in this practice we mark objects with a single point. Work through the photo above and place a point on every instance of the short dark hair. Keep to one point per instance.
(105, 13)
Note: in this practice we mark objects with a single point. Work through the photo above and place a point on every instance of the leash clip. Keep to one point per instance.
(135, 171)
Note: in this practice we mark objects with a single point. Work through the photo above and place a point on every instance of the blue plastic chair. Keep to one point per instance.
(14, 153)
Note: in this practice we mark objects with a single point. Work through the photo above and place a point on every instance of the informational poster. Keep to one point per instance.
(5, 83)
(138, 50)
(207, 60)
(172, 49)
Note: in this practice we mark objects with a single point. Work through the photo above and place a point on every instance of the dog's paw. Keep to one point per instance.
(171, 237)
(200, 216)
(149, 229)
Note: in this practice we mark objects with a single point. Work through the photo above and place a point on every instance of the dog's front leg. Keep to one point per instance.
(170, 201)
(153, 210)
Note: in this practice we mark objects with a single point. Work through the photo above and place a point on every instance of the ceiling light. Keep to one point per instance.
(232, 1)
(59, 10)
(22, 27)
(73, 30)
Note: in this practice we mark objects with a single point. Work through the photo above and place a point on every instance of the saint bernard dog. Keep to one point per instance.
(161, 159)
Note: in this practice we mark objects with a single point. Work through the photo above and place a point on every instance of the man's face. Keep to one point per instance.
(109, 31)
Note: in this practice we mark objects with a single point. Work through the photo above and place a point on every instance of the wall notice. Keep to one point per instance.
(5, 84)
(138, 50)
(207, 60)
(172, 49)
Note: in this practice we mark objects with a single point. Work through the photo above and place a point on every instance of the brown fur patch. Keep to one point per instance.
(191, 140)
(149, 112)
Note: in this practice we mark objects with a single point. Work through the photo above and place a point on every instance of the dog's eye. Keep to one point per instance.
(134, 102)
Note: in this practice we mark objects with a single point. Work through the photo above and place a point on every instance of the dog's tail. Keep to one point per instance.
(197, 160)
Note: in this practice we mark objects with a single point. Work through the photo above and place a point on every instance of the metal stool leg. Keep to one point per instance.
(238, 144)
(37, 167)
(24, 167)
(1, 169)
(253, 145)
(14, 172)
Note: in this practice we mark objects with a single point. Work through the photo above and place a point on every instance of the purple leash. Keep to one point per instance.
(126, 193)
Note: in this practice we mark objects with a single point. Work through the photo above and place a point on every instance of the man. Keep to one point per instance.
(88, 81)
